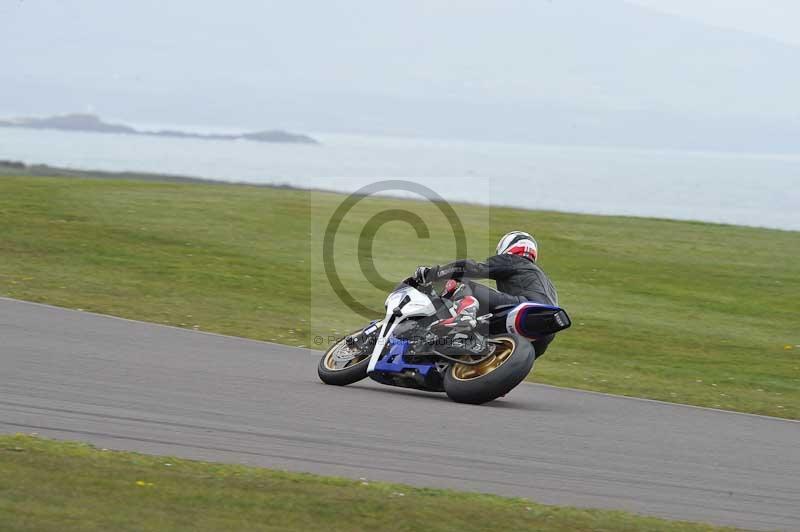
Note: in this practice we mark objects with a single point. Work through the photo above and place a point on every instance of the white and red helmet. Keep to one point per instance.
(519, 243)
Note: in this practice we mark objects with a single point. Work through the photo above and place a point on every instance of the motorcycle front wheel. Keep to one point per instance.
(496, 376)
(342, 365)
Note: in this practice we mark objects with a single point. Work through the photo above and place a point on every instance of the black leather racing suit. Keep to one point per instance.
(518, 280)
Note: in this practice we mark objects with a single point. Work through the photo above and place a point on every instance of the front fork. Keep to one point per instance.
(362, 339)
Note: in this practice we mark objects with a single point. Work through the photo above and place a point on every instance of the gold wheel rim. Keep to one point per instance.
(503, 350)
(329, 365)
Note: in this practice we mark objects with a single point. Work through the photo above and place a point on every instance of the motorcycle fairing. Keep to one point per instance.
(393, 369)
(405, 302)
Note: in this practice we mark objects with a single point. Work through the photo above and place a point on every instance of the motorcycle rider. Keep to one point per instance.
(519, 279)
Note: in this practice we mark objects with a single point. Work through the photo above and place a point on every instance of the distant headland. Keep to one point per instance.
(93, 123)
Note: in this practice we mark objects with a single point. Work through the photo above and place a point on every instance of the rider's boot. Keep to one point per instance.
(464, 321)
(453, 290)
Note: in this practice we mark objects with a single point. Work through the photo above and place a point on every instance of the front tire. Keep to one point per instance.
(335, 368)
(498, 375)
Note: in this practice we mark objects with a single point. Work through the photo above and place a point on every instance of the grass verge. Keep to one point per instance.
(686, 312)
(51, 485)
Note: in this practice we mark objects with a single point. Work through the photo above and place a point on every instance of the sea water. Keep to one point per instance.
(736, 188)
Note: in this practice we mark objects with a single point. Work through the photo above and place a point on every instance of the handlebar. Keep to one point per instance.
(427, 289)
(413, 283)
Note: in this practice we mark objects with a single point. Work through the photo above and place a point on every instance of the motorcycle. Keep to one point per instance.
(474, 367)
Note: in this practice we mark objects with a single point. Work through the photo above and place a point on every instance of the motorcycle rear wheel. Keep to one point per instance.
(493, 378)
(335, 369)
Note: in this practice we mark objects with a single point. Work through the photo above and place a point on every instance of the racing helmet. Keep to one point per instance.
(519, 243)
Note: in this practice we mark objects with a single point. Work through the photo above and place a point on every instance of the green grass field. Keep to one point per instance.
(48, 485)
(685, 312)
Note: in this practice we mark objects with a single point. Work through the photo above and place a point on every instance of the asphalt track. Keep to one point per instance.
(129, 385)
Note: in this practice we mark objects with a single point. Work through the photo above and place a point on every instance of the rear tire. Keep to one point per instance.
(349, 373)
(496, 377)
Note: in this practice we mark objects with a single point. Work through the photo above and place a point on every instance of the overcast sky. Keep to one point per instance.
(556, 71)
(778, 19)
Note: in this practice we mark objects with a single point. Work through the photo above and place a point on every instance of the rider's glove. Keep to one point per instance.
(421, 275)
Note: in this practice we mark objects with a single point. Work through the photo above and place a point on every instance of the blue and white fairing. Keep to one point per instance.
(403, 303)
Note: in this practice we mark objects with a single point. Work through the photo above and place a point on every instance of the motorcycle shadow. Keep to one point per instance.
(505, 403)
